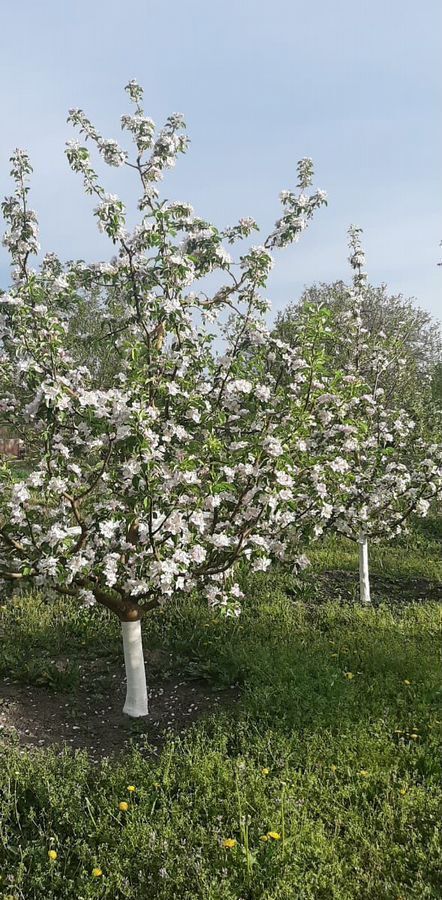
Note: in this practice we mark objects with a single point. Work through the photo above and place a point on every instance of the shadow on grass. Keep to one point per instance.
(44, 640)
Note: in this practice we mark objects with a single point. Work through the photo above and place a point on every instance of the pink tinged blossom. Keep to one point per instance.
(200, 520)
(108, 528)
(422, 507)
(87, 598)
(20, 493)
(240, 386)
(261, 564)
(262, 392)
(273, 447)
(198, 553)
(284, 479)
(220, 540)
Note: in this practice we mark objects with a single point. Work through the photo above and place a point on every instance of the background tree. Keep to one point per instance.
(396, 465)
(93, 315)
(409, 335)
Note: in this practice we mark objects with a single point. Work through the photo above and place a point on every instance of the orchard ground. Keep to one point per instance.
(293, 753)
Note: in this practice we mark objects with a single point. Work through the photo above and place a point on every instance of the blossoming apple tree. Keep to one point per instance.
(412, 336)
(214, 442)
(394, 466)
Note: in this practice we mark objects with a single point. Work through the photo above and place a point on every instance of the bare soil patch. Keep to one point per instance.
(344, 585)
(38, 717)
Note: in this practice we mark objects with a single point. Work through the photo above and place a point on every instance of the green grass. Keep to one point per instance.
(394, 562)
(417, 555)
(36, 631)
(353, 753)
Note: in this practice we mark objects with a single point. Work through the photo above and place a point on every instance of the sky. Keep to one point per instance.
(355, 85)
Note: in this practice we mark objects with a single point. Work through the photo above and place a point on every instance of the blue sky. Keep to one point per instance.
(355, 85)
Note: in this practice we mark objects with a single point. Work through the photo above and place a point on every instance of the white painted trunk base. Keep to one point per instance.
(364, 577)
(136, 693)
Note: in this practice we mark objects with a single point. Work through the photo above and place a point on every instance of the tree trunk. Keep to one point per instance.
(136, 694)
(364, 577)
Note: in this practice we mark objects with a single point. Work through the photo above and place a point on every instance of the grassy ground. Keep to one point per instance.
(415, 556)
(324, 779)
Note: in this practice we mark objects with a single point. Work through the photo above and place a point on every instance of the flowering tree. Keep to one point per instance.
(411, 336)
(214, 442)
(394, 469)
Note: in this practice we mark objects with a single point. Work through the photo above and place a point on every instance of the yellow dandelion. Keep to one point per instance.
(52, 855)
(123, 806)
(273, 835)
(265, 771)
(97, 872)
(263, 837)
(334, 768)
(348, 675)
(403, 791)
(229, 843)
(131, 788)
(363, 773)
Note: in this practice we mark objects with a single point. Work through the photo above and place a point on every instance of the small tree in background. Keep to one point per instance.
(396, 470)
(214, 442)
(409, 334)
(93, 317)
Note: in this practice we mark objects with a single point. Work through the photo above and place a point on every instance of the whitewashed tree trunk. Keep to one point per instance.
(136, 694)
(364, 577)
